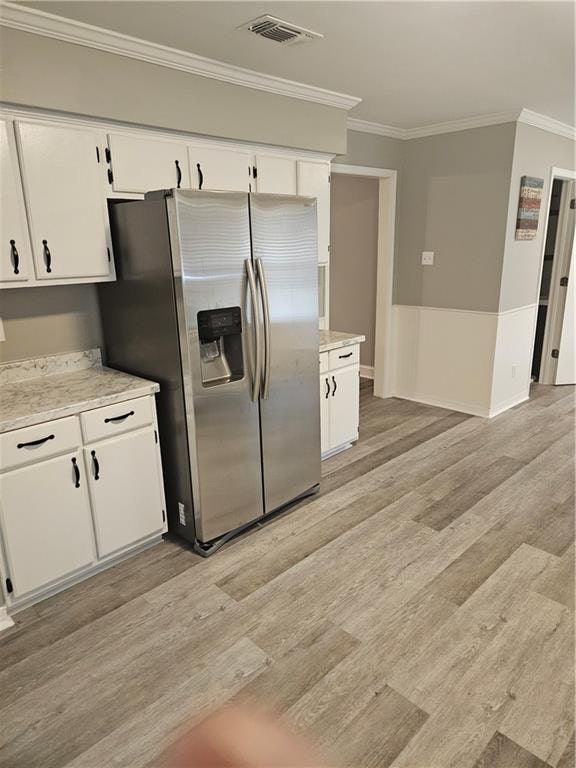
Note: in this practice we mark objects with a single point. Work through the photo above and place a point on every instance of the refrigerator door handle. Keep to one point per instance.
(256, 321)
(266, 310)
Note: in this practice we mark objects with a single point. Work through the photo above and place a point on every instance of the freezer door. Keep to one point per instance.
(210, 235)
(284, 240)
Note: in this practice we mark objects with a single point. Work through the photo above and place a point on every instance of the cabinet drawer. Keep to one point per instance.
(345, 356)
(324, 362)
(23, 446)
(115, 419)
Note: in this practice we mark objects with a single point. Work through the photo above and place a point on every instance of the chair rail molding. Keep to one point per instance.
(71, 31)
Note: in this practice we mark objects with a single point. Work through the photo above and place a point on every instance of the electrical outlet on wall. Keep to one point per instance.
(427, 258)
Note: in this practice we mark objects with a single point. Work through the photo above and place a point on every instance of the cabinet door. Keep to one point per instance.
(46, 522)
(15, 253)
(344, 406)
(325, 391)
(219, 169)
(314, 181)
(63, 183)
(125, 489)
(141, 165)
(276, 175)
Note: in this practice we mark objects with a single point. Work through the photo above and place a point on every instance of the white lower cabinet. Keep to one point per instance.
(339, 404)
(69, 506)
(325, 391)
(125, 490)
(46, 522)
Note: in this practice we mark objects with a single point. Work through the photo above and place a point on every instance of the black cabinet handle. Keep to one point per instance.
(327, 388)
(200, 176)
(96, 465)
(178, 174)
(76, 474)
(334, 382)
(34, 443)
(15, 256)
(115, 419)
(341, 357)
(47, 256)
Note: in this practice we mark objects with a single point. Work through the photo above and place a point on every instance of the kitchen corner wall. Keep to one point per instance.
(454, 201)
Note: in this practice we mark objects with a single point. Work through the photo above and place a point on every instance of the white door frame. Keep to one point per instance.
(548, 365)
(383, 377)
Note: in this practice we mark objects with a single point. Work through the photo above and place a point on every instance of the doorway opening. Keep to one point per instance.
(553, 360)
(362, 212)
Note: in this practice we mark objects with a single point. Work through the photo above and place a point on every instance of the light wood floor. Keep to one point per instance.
(417, 614)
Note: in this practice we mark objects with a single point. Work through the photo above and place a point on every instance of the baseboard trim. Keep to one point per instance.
(5, 619)
(334, 451)
(474, 409)
(505, 405)
(367, 371)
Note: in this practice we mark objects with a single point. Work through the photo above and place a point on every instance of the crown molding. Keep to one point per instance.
(547, 124)
(364, 126)
(48, 25)
(525, 116)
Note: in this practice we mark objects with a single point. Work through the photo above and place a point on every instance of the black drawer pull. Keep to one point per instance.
(47, 256)
(200, 176)
(15, 256)
(115, 419)
(96, 465)
(34, 443)
(76, 474)
(334, 382)
(343, 356)
(178, 174)
(327, 388)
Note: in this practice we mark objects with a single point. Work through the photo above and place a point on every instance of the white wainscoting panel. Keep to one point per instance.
(513, 358)
(444, 357)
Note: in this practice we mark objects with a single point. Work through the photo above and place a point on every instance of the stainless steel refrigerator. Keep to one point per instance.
(217, 300)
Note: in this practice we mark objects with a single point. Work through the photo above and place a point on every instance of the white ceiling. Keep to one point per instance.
(412, 63)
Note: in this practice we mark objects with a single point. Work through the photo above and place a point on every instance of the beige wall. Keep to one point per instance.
(42, 72)
(46, 321)
(454, 201)
(353, 257)
(535, 153)
(373, 151)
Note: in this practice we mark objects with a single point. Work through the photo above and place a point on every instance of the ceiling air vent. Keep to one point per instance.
(280, 31)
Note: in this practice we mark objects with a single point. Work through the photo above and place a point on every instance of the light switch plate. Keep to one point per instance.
(428, 258)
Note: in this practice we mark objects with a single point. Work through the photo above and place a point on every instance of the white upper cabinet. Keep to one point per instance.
(314, 181)
(142, 164)
(276, 175)
(63, 186)
(220, 169)
(15, 253)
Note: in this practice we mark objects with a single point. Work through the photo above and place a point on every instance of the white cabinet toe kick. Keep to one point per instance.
(78, 494)
(339, 398)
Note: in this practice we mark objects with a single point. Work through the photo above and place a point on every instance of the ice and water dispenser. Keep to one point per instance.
(220, 335)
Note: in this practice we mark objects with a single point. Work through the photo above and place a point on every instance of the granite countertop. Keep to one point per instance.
(336, 339)
(43, 389)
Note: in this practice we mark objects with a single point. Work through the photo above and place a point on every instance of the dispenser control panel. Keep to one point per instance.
(214, 323)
